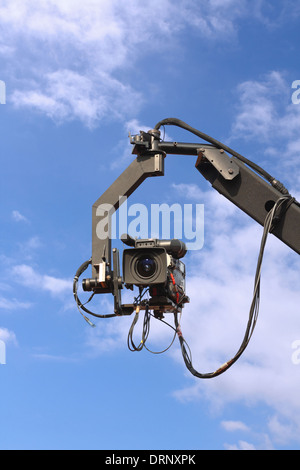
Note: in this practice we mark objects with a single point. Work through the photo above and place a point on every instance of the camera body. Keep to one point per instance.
(156, 264)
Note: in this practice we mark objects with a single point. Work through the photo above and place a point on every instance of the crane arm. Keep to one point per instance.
(244, 183)
(240, 180)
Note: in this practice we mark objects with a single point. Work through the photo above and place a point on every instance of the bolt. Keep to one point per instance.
(230, 171)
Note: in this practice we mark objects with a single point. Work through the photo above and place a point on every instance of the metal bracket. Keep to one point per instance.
(144, 166)
(117, 282)
(220, 160)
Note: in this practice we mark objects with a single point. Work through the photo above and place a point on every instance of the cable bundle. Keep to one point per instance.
(79, 304)
(270, 220)
(146, 329)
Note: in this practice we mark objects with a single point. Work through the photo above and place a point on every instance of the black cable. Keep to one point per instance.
(130, 342)
(177, 122)
(172, 342)
(80, 305)
(146, 330)
(253, 314)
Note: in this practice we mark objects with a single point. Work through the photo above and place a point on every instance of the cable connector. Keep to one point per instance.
(280, 187)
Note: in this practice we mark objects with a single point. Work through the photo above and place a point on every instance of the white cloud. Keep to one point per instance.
(258, 114)
(33, 243)
(7, 336)
(281, 432)
(54, 358)
(18, 217)
(6, 51)
(70, 95)
(13, 304)
(28, 249)
(266, 114)
(233, 426)
(259, 440)
(70, 53)
(112, 26)
(8, 302)
(76, 50)
(242, 445)
(27, 276)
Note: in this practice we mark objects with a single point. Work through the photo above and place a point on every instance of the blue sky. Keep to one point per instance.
(79, 76)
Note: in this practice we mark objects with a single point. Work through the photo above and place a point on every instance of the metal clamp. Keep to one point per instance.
(220, 160)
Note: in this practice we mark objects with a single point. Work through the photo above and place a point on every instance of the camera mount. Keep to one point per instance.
(240, 180)
(105, 275)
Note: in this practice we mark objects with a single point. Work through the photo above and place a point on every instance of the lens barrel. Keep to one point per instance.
(146, 266)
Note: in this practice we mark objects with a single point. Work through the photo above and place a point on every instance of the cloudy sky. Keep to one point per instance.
(79, 76)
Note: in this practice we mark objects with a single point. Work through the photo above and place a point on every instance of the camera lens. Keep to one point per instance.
(146, 266)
